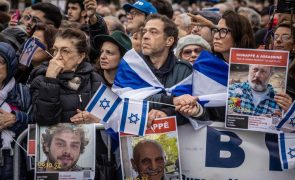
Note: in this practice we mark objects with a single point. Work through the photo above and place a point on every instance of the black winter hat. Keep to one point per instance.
(8, 54)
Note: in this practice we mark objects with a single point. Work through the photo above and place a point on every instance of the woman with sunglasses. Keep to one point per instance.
(189, 47)
(62, 89)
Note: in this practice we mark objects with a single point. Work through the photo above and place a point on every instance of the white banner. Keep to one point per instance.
(214, 152)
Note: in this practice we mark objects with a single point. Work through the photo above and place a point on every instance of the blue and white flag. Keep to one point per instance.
(29, 50)
(134, 117)
(210, 80)
(103, 104)
(287, 150)
(134, 79)
(287, 124)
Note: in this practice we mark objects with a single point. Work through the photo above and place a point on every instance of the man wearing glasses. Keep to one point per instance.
(46, 13)
(202, 24)
(136, 14)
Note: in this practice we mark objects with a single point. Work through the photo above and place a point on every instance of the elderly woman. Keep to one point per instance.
(189, 47)
(112, 49)
(14, 102)
(61, 90)
(285, 40)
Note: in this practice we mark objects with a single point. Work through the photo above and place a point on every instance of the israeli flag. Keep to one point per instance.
(103, 103)
(210, 80)
(288, 121)
(287, 150)
(134, 117)
(29, 50)
(135, 80)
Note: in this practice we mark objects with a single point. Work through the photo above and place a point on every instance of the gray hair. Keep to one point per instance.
(253, 17)
(116, 24)
(185, 19)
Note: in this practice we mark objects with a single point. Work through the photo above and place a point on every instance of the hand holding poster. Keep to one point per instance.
(65, 151)
(154, 156)
(255, 77)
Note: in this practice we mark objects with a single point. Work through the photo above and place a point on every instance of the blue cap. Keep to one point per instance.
(142, 6)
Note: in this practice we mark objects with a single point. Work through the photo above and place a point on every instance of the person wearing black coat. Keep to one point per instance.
(62, 89)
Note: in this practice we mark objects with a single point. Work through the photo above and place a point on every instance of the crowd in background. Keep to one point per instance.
(83, 46)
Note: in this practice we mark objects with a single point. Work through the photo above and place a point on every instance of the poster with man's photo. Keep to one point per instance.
(65, 151)
(153, 156)
(257, 79)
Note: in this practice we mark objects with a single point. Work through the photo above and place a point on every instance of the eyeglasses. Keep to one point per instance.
(64, 52)
(133, 13)
(284, 37)
(199, 27)
(2, 61)
(222, 32)
(188, 52)
(34, 19)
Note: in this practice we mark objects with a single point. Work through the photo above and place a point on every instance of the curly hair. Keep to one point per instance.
(61, 127)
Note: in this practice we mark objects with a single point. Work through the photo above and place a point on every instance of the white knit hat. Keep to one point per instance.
(191, 40)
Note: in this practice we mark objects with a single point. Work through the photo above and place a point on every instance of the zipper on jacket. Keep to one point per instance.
(80, 100)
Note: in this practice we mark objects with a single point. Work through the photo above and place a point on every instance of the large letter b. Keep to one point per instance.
(222, 149)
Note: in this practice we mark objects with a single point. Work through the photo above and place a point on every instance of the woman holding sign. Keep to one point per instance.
(233, 30)
(284, 40)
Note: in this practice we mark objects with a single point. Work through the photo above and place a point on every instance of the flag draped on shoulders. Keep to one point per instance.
(135, 80)
(210, 78)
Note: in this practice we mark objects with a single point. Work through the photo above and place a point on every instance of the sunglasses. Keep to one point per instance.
(188, 52)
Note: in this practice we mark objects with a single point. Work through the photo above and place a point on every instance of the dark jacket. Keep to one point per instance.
(172, 72)
(54, 102)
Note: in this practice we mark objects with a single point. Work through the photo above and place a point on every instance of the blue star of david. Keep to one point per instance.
(292, 155)
(104, 103)
(133, 118)
(292, 121)
(30, 48)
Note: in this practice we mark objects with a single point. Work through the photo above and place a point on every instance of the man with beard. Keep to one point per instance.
(63, 144)
(256, 96)
(149, 160)
(42, 12)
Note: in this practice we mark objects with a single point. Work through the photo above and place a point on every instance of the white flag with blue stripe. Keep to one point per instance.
(29, 50)
(287, 124)
(103, 104)
(134, 117)
(287, 150)
(135, 80)
(210, 80)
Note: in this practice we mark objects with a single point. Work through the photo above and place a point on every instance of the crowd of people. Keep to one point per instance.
(85, 41)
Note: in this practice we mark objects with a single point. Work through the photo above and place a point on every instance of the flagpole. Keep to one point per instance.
(48, 53)
(154, 102)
